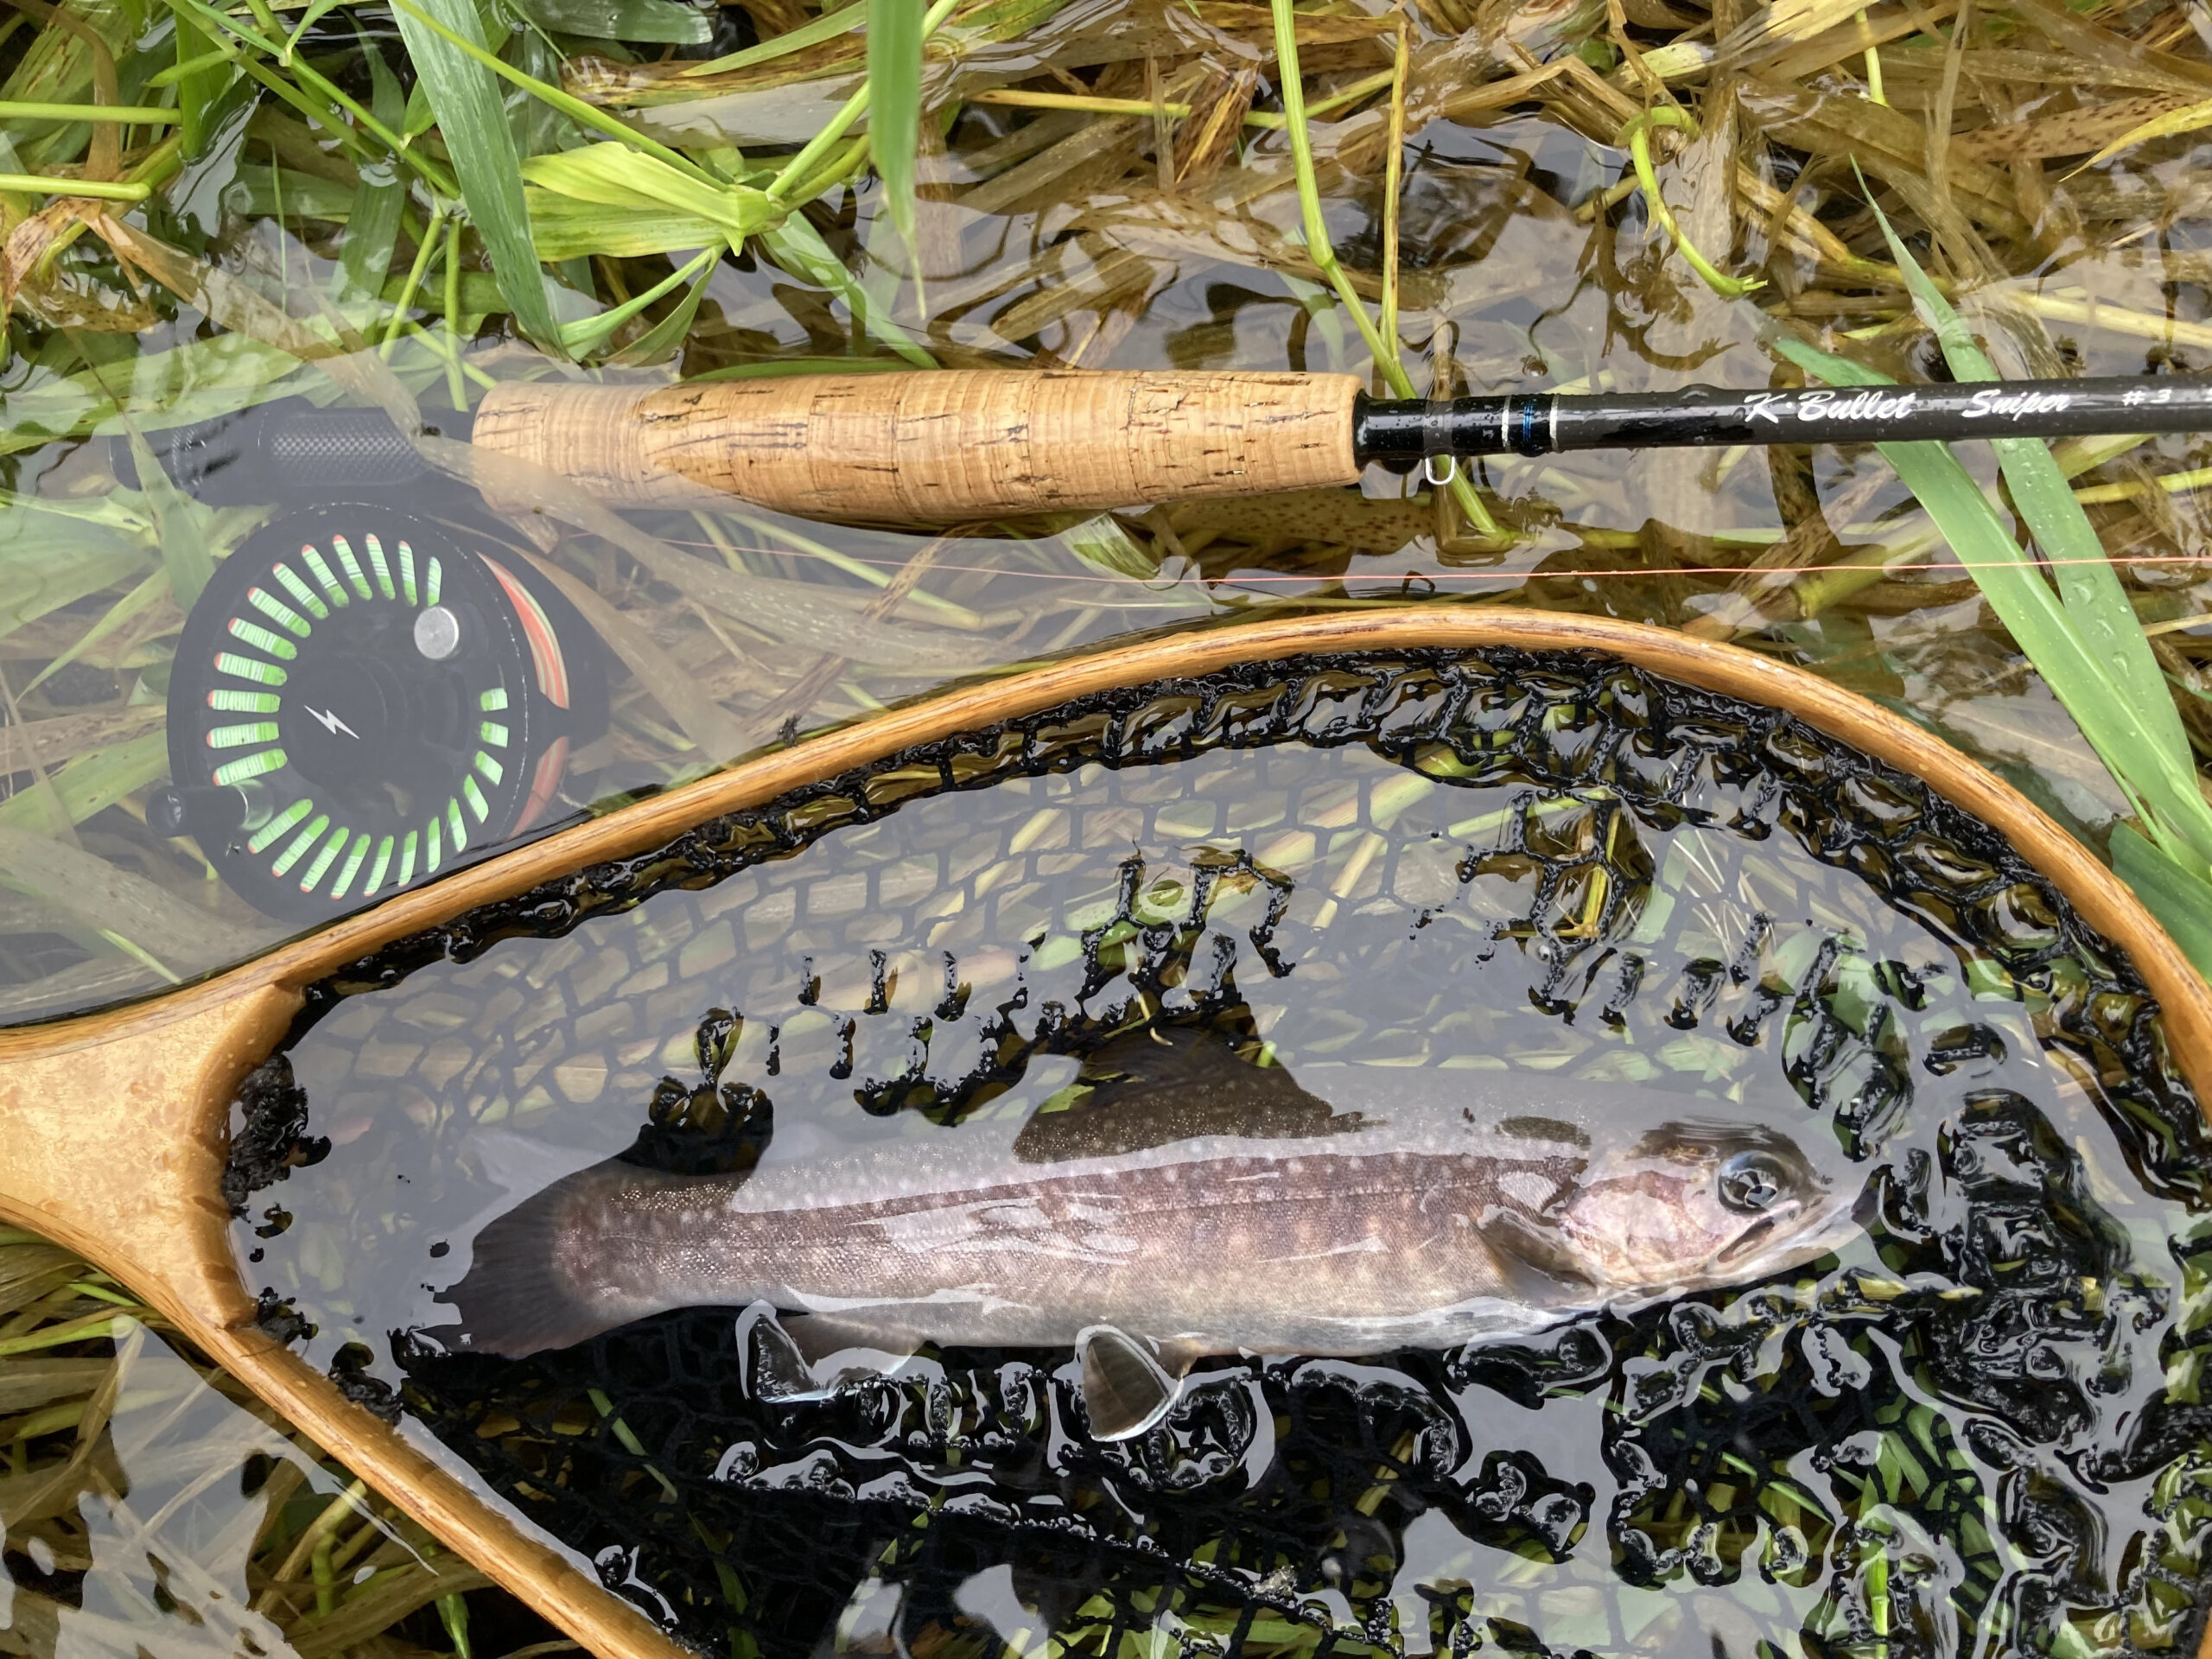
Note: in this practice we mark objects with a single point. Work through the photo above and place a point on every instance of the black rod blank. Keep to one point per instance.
(1542, 423)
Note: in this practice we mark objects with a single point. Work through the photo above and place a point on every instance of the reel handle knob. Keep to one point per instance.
(211, 812)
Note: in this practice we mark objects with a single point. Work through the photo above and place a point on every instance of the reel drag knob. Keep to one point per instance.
(359, 701)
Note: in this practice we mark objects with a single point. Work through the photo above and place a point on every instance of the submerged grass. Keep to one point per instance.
(213, 1521)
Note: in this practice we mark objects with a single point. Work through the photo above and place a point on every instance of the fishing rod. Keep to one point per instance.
(956, 444)
(365, 696)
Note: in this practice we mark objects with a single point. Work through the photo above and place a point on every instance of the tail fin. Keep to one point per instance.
(516, 1298)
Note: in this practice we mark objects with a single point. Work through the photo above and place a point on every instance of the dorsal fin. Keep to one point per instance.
(1177, 1054)
(1177, 1084)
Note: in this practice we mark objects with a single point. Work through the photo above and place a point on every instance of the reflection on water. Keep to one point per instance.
(1381, 881)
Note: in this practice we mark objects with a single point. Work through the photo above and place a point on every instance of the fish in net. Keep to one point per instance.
(1977, 1420)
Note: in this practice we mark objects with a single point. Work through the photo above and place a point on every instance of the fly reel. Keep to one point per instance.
(359, 700)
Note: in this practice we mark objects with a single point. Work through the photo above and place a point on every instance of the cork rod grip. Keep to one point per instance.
(945, 445)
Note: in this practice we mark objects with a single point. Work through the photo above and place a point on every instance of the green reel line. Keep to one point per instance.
(361, 702)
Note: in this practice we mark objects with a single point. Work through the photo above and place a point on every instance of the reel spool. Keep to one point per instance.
(359, 700)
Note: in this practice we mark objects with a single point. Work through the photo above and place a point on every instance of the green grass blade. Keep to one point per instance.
(198, 92)
(56, 67)
(308, 18)
(471, 45)
(798, 248)
(2088, 587)
(662, 21)
(180, 525)
(827, 27)
(421, 118)
(1102, 541)
(132, 604)
(568, 228)
(117, 903)
(2181, 900)
(92, 782)
(1289, 81)
(894, 80)
(801, 167)
(665, 338)
(41, 572)
(2024, 602)
(617, 176)
(489, 172)
(331, 97)
(539, 128)
(591, 332)
(372, 225)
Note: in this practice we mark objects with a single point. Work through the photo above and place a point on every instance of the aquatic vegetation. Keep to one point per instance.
(149, 1503)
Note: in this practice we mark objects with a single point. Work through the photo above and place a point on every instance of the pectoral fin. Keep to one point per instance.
(823, 1336)
(1125, 1388)
(775, 1370)
(785, 1355)
(1537, 1265)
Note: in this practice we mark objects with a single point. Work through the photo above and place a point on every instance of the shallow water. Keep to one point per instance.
(1979, 1415)
(1524, 265)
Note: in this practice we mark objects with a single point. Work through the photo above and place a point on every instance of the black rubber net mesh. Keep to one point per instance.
(1978, 1427)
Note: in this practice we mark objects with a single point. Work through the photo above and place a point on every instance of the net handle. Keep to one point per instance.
(118, 1122)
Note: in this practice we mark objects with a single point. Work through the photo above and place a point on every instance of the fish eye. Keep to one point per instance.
(1750, 1181)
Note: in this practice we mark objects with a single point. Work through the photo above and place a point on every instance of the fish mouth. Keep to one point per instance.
(1746, 1244)
(1792, 1234)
